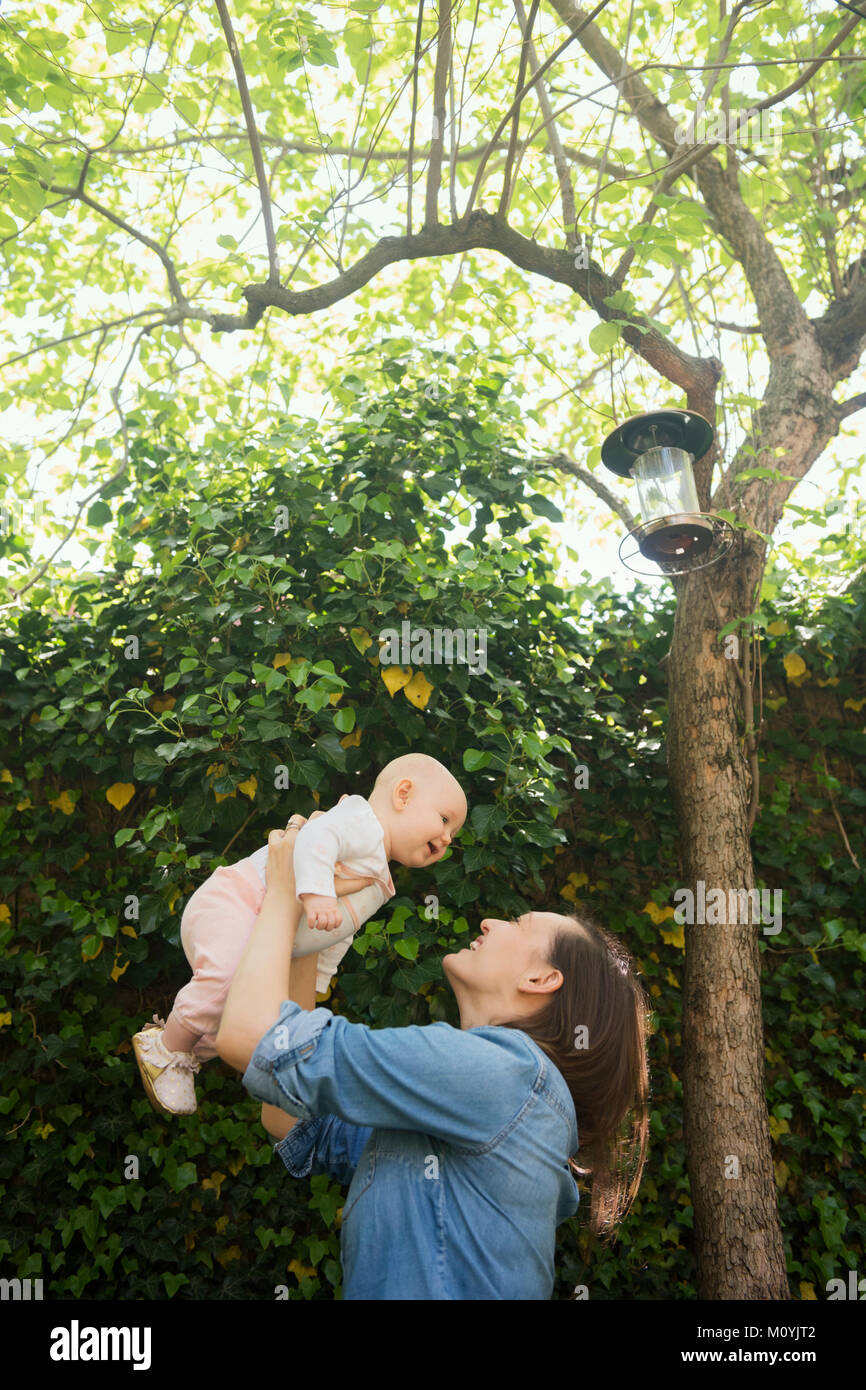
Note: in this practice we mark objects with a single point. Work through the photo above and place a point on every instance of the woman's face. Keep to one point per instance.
(506, 968)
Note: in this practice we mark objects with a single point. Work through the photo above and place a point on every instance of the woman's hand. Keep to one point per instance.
(280, 868)
(344, 884)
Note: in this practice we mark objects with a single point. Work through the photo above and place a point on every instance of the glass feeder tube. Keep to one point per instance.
(665, 483)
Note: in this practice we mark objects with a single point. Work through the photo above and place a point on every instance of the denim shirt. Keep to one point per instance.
(455, 1143)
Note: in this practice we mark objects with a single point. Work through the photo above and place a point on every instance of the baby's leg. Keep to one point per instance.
(215, 928)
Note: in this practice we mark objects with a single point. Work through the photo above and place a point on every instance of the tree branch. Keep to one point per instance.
(416, 63)
(783, 319)
(440, 90)
(487, 231)
(610, 500)
(84, 333)
(258, 162)
(850, 407)
(556, 148)
(80, 196)
(516, 105)
(518, 98)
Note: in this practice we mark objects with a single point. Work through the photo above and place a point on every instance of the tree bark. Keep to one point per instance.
(738, 1242)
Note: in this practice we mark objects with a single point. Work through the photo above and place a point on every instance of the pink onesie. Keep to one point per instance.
(216, 926)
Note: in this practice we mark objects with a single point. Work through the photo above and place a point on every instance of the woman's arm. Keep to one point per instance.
(303, 991)
(264, 977)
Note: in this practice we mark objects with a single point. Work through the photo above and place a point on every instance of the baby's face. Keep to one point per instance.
(428, 814)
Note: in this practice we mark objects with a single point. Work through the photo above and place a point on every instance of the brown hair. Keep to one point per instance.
(608, 1077)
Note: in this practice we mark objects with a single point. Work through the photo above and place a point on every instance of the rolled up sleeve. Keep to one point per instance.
(430, 1079)
(325, 1144)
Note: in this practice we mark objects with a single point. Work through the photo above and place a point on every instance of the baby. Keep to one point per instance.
(415, 808)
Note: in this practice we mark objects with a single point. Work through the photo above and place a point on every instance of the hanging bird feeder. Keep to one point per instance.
(658, 450)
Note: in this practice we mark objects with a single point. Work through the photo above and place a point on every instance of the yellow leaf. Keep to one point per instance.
(361, 638)
(419, 690)
(189, 1240)
(5, 1020)
(578, 879)
(173, 899)
(221, 1223)
(352, 740)
(129, 931)
(778, 1127)
(216, 767)
(672, 980)
(568, 892)
(831, 680)
(658, 914)
(162, 702)
(676, 937)
(118, 970)
(776, 704)
(5, 914)
(299, 1270)
(282, 659)
(223, 796)
(782, 1172)
(233, 1253)
(236, 1164)
(778, 628)
(119, 794)
(794, 665)
(91, 955)
(64, 803)
(395, 677)
(655, 991)
(44, 1130)
(248, 787)
(855, 705)
(5, 775)
(34, 718)
(336, 697)
(83, 860)
(215, 1182)
(24, 805)
(807, 1291)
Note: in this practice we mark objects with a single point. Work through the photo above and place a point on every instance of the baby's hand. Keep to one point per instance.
(322, 913)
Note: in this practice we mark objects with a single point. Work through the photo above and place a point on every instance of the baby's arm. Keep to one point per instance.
(320, 843)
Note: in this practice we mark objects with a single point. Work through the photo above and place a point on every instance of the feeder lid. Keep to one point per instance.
(675, 429)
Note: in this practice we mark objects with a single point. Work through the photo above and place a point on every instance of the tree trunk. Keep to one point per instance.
(738, 1239)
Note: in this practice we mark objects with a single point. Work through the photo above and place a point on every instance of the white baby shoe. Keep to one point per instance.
(167, 1076)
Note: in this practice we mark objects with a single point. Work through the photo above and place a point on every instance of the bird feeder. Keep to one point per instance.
(657, 450)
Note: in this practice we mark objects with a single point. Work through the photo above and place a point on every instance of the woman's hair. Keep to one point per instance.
(594, 1029)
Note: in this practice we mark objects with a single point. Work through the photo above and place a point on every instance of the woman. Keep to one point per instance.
(457, 1143)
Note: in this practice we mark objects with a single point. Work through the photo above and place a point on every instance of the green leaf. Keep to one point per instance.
(98, 514)
(187, 109)
(407, 946)
(603, 337)
(473, 759)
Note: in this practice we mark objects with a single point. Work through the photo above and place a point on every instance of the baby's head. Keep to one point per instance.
(421, 807)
